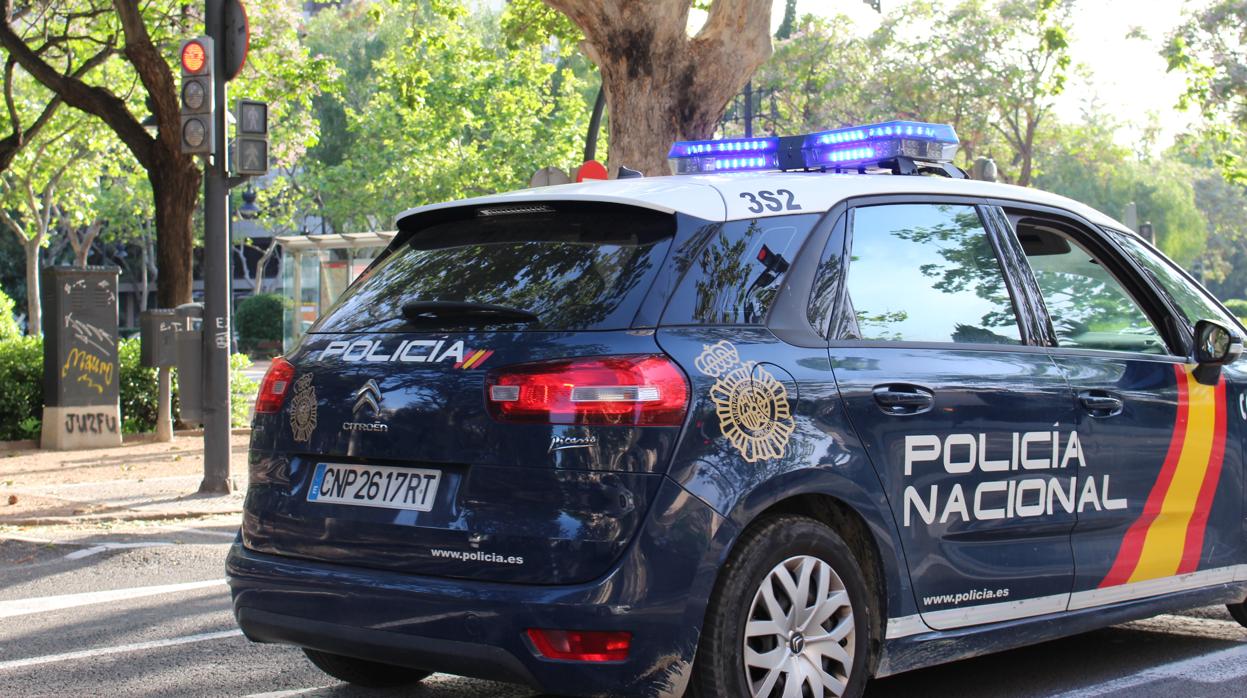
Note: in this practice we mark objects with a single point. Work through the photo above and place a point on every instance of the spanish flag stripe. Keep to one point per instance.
(472, 359)
(1193, 549)
(1166, 536)
(1132, 543)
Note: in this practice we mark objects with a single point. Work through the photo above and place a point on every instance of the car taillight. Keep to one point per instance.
(274, 387)
(581, 645)
(645, 390)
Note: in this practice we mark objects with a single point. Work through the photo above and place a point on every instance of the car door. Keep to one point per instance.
(1161, 505)
(968, 422)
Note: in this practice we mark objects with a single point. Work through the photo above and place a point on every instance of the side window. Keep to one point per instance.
(1089, 307)
(1192, 301)
(926, 273)
(734, 278)
(827, 278)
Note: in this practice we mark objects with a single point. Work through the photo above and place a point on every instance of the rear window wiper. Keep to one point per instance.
(452, 313)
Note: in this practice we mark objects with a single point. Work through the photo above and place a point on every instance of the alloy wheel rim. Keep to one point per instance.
(799, 636)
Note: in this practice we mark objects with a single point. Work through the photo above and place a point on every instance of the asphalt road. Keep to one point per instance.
(73, 622)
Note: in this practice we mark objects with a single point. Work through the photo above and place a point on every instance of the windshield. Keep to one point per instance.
(577, 268)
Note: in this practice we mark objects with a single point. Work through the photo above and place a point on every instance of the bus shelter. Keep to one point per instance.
(315, 269)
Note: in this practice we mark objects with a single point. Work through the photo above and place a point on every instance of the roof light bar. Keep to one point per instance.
(865, 145)
(727, 155)
(843, 148)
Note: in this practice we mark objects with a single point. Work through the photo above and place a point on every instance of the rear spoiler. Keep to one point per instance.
(665, 194)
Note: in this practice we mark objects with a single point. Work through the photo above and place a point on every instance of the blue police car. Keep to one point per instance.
(790, 419)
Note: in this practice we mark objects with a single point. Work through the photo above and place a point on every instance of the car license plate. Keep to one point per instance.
(375, 486)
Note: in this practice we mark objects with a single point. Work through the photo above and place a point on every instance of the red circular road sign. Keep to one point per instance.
(194, 56)
(237, 38)
(591, 170)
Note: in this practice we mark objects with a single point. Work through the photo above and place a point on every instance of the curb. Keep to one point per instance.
(117, 518)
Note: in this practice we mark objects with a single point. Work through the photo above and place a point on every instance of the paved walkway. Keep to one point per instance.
(137, 481)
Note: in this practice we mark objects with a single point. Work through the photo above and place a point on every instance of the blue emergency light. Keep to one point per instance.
(854, 147)
(726, 155)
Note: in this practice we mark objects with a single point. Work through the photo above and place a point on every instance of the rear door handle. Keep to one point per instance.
(903, 399)
(1100, 404)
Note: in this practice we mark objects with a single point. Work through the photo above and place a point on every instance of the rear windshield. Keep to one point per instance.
(577, 267)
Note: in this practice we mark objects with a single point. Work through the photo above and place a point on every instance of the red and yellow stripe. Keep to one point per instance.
(1167, 539)
(474, 359)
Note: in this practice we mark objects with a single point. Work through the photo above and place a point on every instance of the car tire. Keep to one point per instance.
(362, 672)
(772, 556)
(1239, 611)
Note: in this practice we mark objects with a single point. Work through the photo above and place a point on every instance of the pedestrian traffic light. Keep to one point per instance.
(251, 139)
(198, 105)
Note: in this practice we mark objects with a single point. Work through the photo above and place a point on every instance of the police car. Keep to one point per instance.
(795, 417)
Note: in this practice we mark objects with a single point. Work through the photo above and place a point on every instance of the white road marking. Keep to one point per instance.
(118, 649)
(284, 694)
(202, 531)
(1219, 667)
(43, 604)
(102, 547)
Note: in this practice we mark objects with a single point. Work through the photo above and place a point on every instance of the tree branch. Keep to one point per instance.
(70, 87)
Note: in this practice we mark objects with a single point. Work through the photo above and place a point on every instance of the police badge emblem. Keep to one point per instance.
(752, 405)
(303, 409)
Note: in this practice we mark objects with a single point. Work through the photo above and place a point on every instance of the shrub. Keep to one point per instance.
(138, 389)
(259, 320)
(1238, 306)
(21, 400)
(8, 323)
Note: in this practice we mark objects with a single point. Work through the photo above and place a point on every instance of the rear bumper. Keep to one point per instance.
(658, 591)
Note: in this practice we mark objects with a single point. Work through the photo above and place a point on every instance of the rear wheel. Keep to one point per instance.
(362, 672)
(1239, 611)
(789, 617)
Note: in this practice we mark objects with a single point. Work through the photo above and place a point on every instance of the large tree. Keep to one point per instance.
(661, 84)
(108, 58)
(56, 42)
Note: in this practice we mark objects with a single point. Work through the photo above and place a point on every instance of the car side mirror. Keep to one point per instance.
(1216, 344)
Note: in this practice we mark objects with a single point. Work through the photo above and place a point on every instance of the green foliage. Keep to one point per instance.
(139, 392)
(815, 77)
(259, 320)
(21, 402)
(1238, 306)
(1208, 48)
(1081, 161)
(8, 323)
(242, 391)
(438, 105)
(21, 374)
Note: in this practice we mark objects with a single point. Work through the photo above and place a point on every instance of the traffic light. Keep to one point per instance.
(197, 97)
(251, 142)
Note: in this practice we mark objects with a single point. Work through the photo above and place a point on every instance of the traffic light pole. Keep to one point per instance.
(216, 277)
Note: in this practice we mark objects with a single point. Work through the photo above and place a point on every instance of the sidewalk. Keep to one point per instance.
(136, 482)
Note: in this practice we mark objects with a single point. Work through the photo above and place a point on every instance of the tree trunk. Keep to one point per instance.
(34, 305)
(175, 190)
(146, 250)
(262, 265)
(661, 85)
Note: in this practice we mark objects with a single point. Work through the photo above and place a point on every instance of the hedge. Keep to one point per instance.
(8, 323)
(1238, 306)
(21, 402)
(259, 321)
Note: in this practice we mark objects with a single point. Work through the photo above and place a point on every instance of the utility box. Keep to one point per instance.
(190, 361)
(158, 332)
(81, 370)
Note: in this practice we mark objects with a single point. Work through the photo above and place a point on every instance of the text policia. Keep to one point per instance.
(986, 500)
